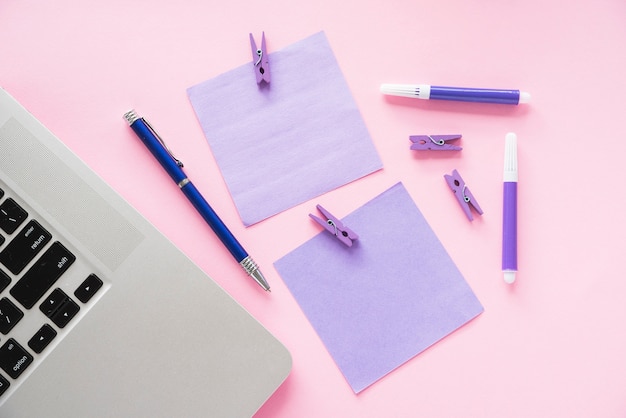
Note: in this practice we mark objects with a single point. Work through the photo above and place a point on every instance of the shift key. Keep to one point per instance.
(42, 275)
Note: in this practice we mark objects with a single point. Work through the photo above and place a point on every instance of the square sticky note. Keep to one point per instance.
(387, 298)
(280, 144)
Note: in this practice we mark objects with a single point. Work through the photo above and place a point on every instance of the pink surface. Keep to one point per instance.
(551, 345)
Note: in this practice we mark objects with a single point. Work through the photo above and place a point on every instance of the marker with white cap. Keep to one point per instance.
(462, 94)
(509, 213)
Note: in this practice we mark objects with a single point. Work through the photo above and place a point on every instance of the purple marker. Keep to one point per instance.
(509, 213)
(462, 94)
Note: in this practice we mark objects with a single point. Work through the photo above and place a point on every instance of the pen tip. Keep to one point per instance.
(253, 271)
(260, 279)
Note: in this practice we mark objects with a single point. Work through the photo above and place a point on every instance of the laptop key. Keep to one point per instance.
(14, 359)
(10, 315)
(5, 281)
(42, 338)
(42, 275)
(11, 216)
(53, 302)
(64, 315)
(59, 307)
(24, 247)
(4, 384)
(88, 288)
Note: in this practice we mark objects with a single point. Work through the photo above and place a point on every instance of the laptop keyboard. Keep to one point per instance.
(36, 304)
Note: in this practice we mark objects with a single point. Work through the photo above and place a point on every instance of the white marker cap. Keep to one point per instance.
(509, 276)
(524, 97)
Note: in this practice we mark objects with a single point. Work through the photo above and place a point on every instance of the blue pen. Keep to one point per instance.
(173, 167)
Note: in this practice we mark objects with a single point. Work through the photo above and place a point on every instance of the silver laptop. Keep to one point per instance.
(100, 315)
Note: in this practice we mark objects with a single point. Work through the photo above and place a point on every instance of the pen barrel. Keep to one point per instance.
(509, 227)
(158, 150)
(475, 95)
(214, 221)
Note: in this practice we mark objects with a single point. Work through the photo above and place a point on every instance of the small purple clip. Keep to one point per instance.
(260, 60)
(335, 227)
(434, 142)
(462, 194)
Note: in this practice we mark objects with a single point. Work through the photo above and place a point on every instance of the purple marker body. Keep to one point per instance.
(509, 213)
(464, 94)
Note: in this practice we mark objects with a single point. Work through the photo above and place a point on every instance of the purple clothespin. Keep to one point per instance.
(260, 60)
(335, 227)
(434, 142)
(462, 194)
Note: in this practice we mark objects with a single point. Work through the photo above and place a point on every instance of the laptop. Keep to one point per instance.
(100, 315)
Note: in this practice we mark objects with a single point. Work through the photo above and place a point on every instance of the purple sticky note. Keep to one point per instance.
(281, 144)
(387, 298)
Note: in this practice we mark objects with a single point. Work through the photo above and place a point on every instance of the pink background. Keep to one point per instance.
(552, 345)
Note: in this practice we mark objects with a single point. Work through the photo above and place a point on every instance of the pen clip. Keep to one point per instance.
(157, 136)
